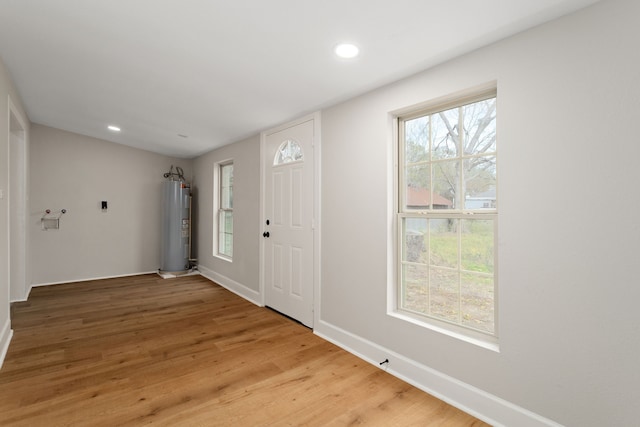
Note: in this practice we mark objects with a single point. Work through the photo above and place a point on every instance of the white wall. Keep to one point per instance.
(568, 105)
(76, 172)
(7, 91)
(242, 274)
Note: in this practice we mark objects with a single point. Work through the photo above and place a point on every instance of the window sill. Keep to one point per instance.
(478, 339)
(223, 258)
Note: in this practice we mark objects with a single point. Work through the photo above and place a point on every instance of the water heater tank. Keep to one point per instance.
(176, 227)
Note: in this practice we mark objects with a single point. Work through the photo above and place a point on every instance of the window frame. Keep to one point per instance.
(485, 339)
(218, 209)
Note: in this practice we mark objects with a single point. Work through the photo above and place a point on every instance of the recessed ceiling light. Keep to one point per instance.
(113, 128)
(347, 50)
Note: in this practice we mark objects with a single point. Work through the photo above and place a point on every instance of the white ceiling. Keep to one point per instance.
(218, 71)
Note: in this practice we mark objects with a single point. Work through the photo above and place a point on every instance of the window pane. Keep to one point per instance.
(446, 184)
(445, 134)
(227, 175)
(444, 294)
(415, 291)
(416, 140)
(480, 127)
(414, 240)
(226, 186)
(443, 242)
(222, 222)
(477, 302)
(228, 222)
(225, 198)
(418, 182)
(480, 182)
(225, 233)
(477, 243)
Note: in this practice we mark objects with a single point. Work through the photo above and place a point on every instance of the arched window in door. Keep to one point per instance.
(288, 152)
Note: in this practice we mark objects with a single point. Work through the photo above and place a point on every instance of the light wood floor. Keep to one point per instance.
(186, 352)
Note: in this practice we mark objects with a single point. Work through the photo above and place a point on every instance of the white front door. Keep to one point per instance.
(288, 228)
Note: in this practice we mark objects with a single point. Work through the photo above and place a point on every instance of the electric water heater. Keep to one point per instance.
(176, 227)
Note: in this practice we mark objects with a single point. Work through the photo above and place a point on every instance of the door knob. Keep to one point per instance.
(265, 234)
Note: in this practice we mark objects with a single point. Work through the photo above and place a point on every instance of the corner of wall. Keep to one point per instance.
(231, 285)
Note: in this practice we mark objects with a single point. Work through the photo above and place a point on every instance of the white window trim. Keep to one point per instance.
(216, 211)
(487, 341)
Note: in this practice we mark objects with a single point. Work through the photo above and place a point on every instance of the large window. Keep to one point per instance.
(447, 215)
(224, 209)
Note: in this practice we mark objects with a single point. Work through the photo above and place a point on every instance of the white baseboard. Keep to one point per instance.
(91, 278)
(482, 405)
(233, 286)
(5, 338)
(26, 296)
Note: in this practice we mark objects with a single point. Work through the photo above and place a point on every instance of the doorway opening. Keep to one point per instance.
(17, 196)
